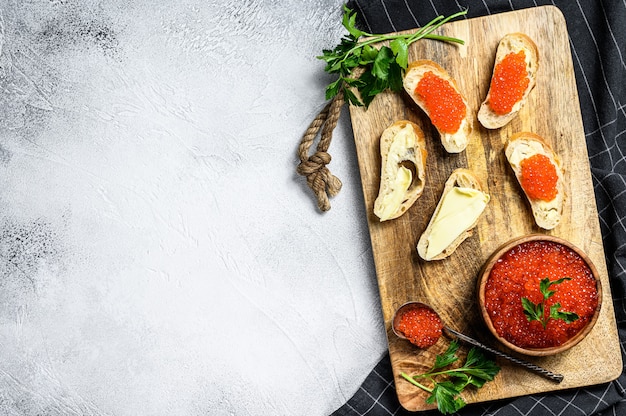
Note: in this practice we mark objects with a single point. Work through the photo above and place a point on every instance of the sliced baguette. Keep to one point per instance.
(455, 142)
(403, 169)
(522, 145)
(511, 43)
(453, 220)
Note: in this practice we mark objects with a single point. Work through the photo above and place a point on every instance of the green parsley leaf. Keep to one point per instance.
(568, 317)
(368, 54)
(333, 89)
(536, 312)
(349, 22)
(533, 312)
(401, 49)
(544, 288)
(556, 282)
(395, 77)
(448, 357)
(477, 370)
(384, 58)
(350, 97)
(447, 397)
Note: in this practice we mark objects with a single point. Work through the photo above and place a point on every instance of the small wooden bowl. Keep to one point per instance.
(484, 277)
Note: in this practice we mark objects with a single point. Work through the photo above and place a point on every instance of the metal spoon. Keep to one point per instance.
(452, 333)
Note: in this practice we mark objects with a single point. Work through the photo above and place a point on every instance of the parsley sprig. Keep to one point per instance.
(476, 371)
(383, 68)
(536, 312)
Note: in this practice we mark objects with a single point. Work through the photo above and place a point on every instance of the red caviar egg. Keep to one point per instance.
(509, 82)
(445, 105)
(539, 177)
(420, 325)
(517, 275)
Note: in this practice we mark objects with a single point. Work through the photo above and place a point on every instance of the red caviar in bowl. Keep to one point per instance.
(538, 177)
(445, 105)
(509, 82)
(517, 274)
(420, 325)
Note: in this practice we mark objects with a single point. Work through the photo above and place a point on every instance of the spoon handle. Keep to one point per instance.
(535, 368)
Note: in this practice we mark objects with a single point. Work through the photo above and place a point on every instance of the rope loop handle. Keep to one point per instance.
(323, 183)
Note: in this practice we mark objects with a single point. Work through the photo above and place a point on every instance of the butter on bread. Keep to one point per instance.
(547, 214)
(460, 206)
(452, 142)
(403, 169)
(511, 43)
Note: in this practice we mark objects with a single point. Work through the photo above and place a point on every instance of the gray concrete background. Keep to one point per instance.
(158, 253)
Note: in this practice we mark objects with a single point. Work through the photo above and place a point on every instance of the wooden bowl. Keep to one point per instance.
(486, 273)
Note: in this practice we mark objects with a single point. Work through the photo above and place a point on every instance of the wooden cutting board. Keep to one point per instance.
(553, 112)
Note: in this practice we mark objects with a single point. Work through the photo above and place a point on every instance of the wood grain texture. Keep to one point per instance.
(449, 285)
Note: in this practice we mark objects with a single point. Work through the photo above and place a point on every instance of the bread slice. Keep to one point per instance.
(457, 213)
(510, 43)
(452, 142)
(522, 145)
(403, 169)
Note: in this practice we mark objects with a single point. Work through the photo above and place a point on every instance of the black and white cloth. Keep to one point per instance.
(597, 35)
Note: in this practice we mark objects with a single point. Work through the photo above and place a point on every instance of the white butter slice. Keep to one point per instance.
(459, 209)
(390, 202)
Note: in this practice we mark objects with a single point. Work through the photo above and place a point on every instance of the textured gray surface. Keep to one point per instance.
(158, 253)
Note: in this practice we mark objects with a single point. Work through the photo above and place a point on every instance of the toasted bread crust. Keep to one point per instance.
(462, 178)
(453, 143)
(512, 42)
(547, 214)
(415, 156)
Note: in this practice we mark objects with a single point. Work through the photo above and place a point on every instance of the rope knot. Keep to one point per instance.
(314, 163)
(319, 178)
(321, 158)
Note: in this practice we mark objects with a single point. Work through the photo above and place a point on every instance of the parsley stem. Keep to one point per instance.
(415, 382)
(446, 39)
(423, 32)
(437, 373)
(434, 24)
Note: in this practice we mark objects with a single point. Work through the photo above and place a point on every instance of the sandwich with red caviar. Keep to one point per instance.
(538, 170)
(514, 76)
(438, 95)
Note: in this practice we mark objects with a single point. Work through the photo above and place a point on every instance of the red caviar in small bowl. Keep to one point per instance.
(515, 272)
(418, 323)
